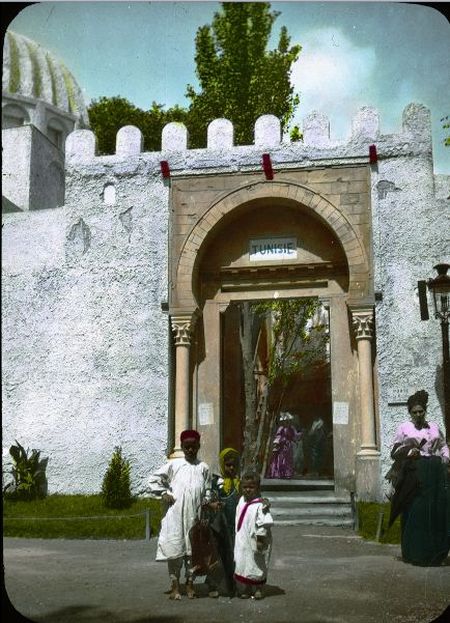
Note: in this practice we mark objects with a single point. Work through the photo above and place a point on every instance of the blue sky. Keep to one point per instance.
(383, 54)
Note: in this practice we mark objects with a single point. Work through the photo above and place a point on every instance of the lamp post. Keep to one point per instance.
(440, 288)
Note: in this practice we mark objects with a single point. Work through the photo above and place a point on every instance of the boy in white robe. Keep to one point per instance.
(184, 484)
(253, 540)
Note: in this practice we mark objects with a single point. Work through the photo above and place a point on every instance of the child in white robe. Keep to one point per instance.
(253, 540)
(184, 484)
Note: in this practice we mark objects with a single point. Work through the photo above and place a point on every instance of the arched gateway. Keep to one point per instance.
(239, 238)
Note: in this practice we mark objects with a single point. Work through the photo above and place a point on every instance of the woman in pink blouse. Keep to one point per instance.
(421, 486)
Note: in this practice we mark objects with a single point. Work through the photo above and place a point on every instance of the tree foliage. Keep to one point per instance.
(239, 78)
(297, 344)
(108, 114)
(446, 126)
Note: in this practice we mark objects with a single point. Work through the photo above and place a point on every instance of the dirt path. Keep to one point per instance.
(317, 575)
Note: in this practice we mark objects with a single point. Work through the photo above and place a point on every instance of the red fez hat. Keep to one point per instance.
(190, 434)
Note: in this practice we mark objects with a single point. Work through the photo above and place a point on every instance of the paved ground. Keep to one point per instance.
(317, 575)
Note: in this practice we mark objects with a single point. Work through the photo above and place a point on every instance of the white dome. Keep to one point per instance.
(31, 71)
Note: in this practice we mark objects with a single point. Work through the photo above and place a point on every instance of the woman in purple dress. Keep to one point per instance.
(282, 462)
(421, 487)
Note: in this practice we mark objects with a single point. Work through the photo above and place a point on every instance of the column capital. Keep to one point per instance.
(182, 326)
(362, 322)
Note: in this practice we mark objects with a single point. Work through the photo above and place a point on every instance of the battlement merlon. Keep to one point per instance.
(414, 138)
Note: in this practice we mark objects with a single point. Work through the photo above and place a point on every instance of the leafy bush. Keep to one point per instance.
(28, 472)
(116, 488)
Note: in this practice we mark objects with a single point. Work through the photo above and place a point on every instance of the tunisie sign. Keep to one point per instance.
(265, 249)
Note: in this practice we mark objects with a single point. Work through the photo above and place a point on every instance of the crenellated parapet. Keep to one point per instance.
(413, 137)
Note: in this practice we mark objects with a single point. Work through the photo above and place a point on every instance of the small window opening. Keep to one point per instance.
(109, 194)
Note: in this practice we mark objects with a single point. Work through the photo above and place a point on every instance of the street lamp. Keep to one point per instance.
(440, 288)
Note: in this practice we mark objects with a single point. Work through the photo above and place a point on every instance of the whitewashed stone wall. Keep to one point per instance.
(32, 169)
(16, 143)
(410, 235)
(85, 341)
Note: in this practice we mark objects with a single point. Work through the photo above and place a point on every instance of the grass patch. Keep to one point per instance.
(86, 517)
(369, 513)
(78, 517)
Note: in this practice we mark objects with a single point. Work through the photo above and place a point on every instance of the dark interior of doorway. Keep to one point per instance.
(307, 398)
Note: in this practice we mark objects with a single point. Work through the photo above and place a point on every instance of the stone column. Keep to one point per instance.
(368, 457)
(182, 326)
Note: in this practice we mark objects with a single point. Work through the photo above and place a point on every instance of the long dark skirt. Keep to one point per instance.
(425, 524)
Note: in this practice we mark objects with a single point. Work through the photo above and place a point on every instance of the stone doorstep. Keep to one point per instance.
(324, 516)
(310, 506)
(306, 497)
(304, 484)
(298, 511)
(316, 521)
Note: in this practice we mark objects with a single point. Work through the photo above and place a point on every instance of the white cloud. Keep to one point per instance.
(333, 76)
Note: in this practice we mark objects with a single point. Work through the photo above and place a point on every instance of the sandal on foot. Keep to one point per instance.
(174, 592)
(190, 590)
(175, 596)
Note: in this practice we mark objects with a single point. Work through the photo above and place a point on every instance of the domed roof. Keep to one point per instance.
(32, 71)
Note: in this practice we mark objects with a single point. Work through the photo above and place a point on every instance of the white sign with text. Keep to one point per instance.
(265, 249)
(340, 412)
(205, 414)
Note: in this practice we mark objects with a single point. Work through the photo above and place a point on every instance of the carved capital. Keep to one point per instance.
(182, 329)
(362, 322)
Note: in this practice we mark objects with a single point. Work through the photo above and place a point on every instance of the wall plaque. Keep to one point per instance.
(205, 414)
(273, 248)
(340, 412)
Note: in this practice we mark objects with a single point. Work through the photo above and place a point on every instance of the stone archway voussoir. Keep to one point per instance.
(342, 228)
(329, 213)
(323, 207)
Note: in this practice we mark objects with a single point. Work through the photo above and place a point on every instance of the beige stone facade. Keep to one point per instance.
(214, 218)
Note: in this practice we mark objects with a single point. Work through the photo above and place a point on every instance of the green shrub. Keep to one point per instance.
(116, 488)
(28, 472)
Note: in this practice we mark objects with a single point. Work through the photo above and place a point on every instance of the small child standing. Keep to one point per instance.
(225, 493)
(253, 540)
(184, 484)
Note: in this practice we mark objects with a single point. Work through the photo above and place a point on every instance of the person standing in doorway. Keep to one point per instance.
(282, 461)
(316, 444)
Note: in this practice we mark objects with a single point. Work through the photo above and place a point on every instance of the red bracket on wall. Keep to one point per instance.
(373, 156)
(165, 169)
(267, 166)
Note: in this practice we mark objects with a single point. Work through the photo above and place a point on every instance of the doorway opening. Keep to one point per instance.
(276, 387)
